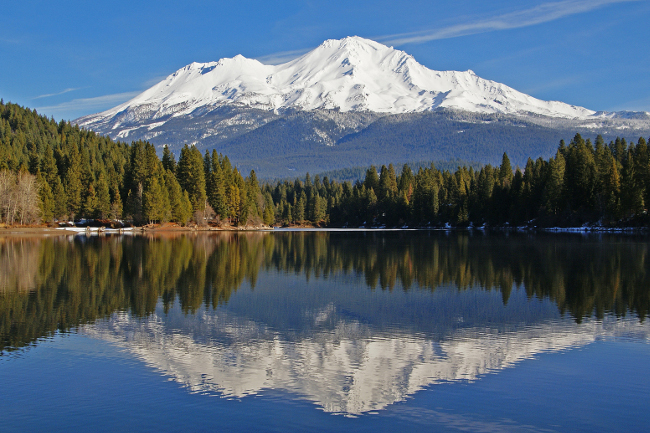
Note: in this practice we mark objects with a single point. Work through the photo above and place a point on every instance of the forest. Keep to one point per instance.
(53, 171)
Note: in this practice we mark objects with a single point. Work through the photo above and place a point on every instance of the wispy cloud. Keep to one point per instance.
(56, 94)
(10, 41)
(281, 57)
(543, 13)
(540, 14)
(90, 104)
(559, 83)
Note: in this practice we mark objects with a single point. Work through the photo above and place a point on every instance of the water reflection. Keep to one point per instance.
(350, 369)
(352, 321)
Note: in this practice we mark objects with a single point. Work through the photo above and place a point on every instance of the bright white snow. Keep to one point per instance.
(351, 74)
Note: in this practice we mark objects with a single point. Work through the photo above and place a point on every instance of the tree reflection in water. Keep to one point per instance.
(50, 284)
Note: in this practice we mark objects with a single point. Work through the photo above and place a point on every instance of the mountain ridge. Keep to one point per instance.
(333, 97)
(351, 74)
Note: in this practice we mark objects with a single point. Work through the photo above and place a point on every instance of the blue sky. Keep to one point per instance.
(72, 58)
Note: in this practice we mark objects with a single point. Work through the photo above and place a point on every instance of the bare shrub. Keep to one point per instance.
(19, 201)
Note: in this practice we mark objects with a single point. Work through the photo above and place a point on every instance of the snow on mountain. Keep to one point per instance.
(353, 369)
(349, 75)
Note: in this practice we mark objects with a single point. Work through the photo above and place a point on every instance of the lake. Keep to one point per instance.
(325, 331)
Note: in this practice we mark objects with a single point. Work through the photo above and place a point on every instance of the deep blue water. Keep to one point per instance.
(325, 332)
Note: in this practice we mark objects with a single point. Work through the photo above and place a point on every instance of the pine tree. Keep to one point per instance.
(134, 204)
(46, 199)
(217, 191)
(191, 176)
(580, 174)
(641, 164)
(72, 184)
(632, 194)
(103, 207)
(299, 208)
(232, 202)
(153, 201)
(34, 159)
(372, 179)
(90, 203)
(48, 166)
(611, 188)
(168, 160)
(553, 192)
(406, 181)
(60, 200)
(179, 210)
(505, 172)
(254, 198)
(185, 212)
(116, 204)
(269, 210)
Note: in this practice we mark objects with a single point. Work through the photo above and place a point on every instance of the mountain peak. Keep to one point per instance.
(354, 42)
(349, 74)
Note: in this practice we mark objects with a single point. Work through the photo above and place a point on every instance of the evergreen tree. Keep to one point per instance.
(34, 159)
(372, 179)
(232, 202)
(186, 209)
(553, 192)
(254, 198)
(299, 208)
(269, 210)
(90, 202)
(134, 204)
(406, 181)
(60, 200)
(168, 160)
(580, 174)
(217, 191)
(103, 207)
(505, 171)
(72, 184)
(631, 192)
(153, 201)
(116, 205)
(181, 210)
(46, 199)
(191, 176)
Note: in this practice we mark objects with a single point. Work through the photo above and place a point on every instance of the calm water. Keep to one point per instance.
(325, 331)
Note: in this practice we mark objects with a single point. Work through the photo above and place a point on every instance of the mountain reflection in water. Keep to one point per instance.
(349, 369)
(352, 321)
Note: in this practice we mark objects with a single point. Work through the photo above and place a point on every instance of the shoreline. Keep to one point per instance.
(67, 231)
(95, 231)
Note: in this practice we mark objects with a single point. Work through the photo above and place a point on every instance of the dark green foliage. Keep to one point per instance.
(191, 176)
(581, 184)
(83, 175)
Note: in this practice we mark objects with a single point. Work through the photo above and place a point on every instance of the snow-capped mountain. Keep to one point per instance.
(351, 370)
(351, 74)
(333, 93)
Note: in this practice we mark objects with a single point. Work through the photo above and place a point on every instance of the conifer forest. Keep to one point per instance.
(54, 171)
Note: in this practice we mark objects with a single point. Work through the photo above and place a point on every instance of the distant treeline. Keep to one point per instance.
(584, 183)
(54, 171)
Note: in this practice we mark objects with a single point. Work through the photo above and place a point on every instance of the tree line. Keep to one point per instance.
(56, 171)
(75, 174)
(584, 182)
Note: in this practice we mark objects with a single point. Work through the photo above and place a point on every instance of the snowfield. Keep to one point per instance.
(350, 75)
